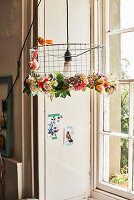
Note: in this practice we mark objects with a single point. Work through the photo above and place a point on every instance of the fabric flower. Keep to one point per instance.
(54, 83)
(79, 86)
(100, 81)
(99, 89)
(105, 85)
(61, 86)
(95, 76)
(41, 84)
(84, 78)
(91, 84)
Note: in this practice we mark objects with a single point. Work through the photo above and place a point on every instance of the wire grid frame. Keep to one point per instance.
(85, 58)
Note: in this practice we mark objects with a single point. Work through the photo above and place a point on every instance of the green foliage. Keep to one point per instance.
(124, 124)
(61, 90)
(124, 170)
(124, 118)
(124, 109)
(119, 178)
(27, 89)
(122, 177)
(124, 153)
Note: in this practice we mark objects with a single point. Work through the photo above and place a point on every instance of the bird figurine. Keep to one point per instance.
(34, 65)
(43, 41)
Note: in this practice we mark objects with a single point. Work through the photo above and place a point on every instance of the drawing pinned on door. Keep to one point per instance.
(53, 125)
(68, 135)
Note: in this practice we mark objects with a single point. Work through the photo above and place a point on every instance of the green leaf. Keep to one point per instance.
(57, 94)
(65, 94)
(57, 73)
(27, 90)
(68, 93)
(116, 181)
(84, 89)
(113, 180)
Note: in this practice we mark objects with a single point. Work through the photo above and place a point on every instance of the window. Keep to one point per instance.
(116, 130)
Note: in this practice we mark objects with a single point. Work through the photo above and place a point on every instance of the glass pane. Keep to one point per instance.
(121, 14)
(121, 59)
(116, 110)
(115, 163)
(133, 109)
(133, 169)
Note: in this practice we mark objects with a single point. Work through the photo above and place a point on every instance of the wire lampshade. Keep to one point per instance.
(84, 58)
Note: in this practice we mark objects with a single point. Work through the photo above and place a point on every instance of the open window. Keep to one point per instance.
(114, 170)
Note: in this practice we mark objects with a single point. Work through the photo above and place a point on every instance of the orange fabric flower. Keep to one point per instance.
(101, 81)
(99, 88)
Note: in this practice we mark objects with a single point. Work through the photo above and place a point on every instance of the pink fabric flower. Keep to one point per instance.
(79, 86)
(105, 79)
(76, 84)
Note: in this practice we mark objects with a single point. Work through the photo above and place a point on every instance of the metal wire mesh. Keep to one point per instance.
(85, 58)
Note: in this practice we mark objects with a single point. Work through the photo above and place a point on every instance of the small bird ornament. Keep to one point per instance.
(43, 41)
(34, 65)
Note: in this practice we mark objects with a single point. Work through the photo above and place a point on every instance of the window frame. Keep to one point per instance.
(99, 188)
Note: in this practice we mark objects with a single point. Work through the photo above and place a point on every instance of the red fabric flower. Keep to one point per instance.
(42, 83)
(105, 85)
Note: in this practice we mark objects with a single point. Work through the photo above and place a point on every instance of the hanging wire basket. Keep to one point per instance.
(84, 59)
(57, 75)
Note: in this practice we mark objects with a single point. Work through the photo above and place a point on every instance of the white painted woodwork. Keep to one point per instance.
(65, 169)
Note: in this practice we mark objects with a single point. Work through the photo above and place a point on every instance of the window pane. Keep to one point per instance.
(133, 169)
(133, 107)
(121, 57)
(116, 110)
(121, 14)
(115, 163)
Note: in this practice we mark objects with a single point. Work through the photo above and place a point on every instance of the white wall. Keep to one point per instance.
(79, 20)
(67, 167)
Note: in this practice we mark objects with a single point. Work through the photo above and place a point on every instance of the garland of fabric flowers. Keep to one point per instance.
(58, 85)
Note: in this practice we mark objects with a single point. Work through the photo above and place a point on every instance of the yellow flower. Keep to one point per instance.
(100, 81)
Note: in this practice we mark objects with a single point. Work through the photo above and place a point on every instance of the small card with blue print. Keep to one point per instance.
(53, 125)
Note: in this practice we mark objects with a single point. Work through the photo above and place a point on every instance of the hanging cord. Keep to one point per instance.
(67, 26)
(2, 173)
(67, 54)
(18, 62)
